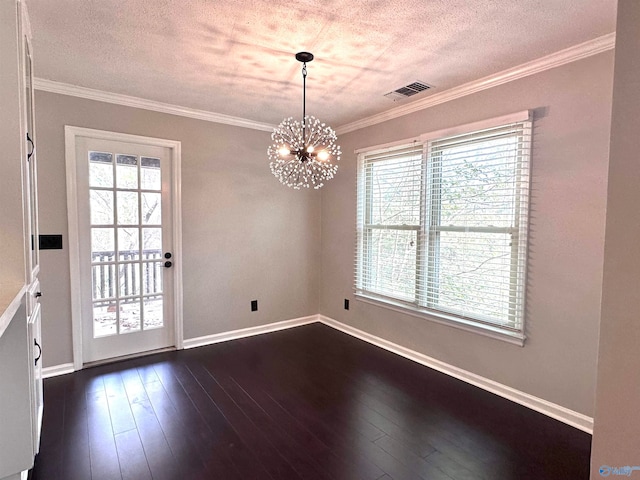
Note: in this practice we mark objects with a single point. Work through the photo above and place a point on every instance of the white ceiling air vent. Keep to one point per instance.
(408, 90)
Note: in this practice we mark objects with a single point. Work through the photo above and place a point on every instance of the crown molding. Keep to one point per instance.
(143, 103)
(562, 57)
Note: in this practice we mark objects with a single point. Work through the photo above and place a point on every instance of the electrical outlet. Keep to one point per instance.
(346, 304)
(254, 305)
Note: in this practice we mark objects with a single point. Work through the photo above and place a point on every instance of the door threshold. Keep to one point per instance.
(127, 357)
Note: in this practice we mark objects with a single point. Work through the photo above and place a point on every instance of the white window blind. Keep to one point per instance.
(389, 213)
(442, 225)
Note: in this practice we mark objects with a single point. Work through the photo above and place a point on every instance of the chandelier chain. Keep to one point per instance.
(304, 101)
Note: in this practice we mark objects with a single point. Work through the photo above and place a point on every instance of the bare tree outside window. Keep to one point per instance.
(126, 242)
(442, 225)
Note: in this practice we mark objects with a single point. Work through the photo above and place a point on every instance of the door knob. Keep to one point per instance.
(168, 264)
(167, 255)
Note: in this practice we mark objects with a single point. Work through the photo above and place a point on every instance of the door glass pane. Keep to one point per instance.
(151, 243)
(100, 169)
(101, 204)
(152, 277)
(151, 208)
(102, 245)
(127, 171)
(129, 279)
(104, 281)
(127, 208)
(150, 174)
(153, 313)
(126, 259)
(104, 319)
(128, 244)
(130, 315)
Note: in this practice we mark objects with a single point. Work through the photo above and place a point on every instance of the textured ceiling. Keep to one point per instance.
(236, 57)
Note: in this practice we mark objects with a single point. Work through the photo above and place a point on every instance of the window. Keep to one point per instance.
(442, 224)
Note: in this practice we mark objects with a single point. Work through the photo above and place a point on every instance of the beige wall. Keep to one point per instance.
(569, 171)
(616, 440)
(245, 236)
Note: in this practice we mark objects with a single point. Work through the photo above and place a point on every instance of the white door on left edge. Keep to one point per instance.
(125, 236)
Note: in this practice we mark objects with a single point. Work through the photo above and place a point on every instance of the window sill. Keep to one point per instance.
(515, 338)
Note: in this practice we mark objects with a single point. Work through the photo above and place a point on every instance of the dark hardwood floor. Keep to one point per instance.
(305, 403)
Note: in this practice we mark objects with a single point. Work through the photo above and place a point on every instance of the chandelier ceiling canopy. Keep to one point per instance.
(303, 153)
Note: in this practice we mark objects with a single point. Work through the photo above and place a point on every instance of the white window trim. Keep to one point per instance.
(521, 116)
(516, 337)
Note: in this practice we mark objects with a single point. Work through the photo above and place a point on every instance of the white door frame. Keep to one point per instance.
(71, 135)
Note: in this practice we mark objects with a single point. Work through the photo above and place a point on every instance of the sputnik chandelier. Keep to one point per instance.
(302, 153)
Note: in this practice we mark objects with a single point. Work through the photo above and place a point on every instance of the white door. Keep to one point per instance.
(125, 247)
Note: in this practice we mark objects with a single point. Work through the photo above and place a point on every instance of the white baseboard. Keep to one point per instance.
(570, 417)
(65, 368)
(560, 413)
(56, 370)
(248, 332)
